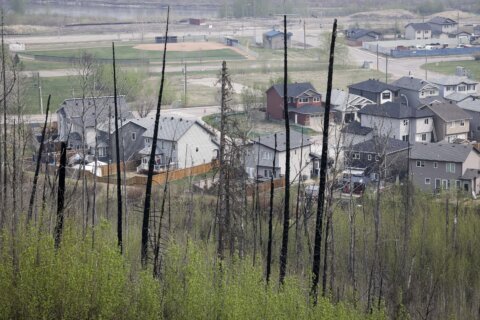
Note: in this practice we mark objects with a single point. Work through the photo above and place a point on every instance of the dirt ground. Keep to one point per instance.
(183, 46)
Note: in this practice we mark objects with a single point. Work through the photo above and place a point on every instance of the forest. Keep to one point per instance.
(82, 248)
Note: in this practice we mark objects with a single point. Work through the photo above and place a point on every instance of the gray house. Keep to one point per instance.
(260, 154)
(273, 39)
(415, 92)
(346, 105)
(354, 133)
(471, 106)
(451, 122)
(455, 85)
(444, 166)
(443, 25)
(418, 31)
(377, 91)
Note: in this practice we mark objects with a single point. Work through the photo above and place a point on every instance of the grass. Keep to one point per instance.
(35, 65)
(448, 67)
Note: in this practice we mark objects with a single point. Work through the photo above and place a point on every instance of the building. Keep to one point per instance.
(443, 25)
(377, 91)
(260, 155)
(356, 36)
(450, 121)
(378, 157)
(273, 39)
(304, 103)
(471, 106)
(86, 122)
(418, 31)
(415, 92)
(440, 166)
(476, 30)
(396, 120)
(455, 84)
(346, 105)
(354, 133)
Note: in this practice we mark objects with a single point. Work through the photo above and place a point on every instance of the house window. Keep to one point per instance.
(101, 152)
(427, 180)
(435, 165)
(405, 122)
(462, 123)
(424, 137)
(134, 136)
(405, 138)
(316, 99)
(147, 141)
(356, 155)
(457, 184)
(386, 95)
(369, 157)
(145, 160)
(425, 121)
(266, 155)
(450, 167)
(462, 88)
(377, 158)
(420, 163)
(303, 100)
(451, 124)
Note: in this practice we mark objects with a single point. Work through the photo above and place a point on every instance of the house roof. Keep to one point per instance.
(412, 83)
(448, 152)
(296, 140)
(471, 104)
(453, 80)
(294, 89)
(86, 110)
(448, 111)
(470, 174)
(147, 151)
(419, 26)
(376, 145)
(356, 128)
(342, 100)
(442, 20)
(170, 128)
(395, 110)
(458, 96)
(275, 33)
(357, 33)
(373, 85)
(307, 109)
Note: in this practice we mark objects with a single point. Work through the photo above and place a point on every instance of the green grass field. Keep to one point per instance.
(129, 52)
(448, 67)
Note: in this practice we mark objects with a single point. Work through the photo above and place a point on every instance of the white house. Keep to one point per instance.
(455, 84)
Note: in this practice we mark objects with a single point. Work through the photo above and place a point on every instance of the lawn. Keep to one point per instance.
(128, 52)
(448, 67)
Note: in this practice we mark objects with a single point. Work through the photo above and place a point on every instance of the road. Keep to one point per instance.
(398, 68)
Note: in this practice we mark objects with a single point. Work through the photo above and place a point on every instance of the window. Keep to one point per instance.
(386, 95)
(424, 137)
(134, 136)
(377, 158)
(356, 155)
(369, 157)
(435, 165)
(450, 167)
(451, 124)
(303, 100)
(457, 184)
(316, 99)
(462, 123)
(147, 141)
(405, 138)
(267, 155)
(425, 121)
(405, 122)
(420, 163)
(427, 180)
(462, 88)
(101, 152)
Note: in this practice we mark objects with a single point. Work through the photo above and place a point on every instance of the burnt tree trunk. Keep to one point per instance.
(270, 216)
(61, 195)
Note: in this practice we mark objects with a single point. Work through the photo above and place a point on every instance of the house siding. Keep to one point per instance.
(195, 147)
(128, 147)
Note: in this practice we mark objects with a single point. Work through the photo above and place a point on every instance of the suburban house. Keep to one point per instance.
(374, 90)
(354, 133)
(346, 105)
(450, 121)
(181, 143)
(440, 166)
(476, 30)
(273, 39)
(455, 84)
(304, 103)
(418, 31)
(471, 106)
(356, 36)
(396, 120)
(378, 157)
(260, 153)
(443, 25)
(415, 92)
(80, 120)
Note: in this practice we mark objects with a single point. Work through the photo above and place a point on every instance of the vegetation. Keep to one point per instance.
(449, 67)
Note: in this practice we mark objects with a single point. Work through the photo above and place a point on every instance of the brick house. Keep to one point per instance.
(304, 103)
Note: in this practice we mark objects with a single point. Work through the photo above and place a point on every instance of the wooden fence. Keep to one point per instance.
(265, 186)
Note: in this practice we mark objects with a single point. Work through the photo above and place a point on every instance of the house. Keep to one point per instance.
(356, 36)
(476, 30)
(377, 91)
(442, 24)
(453, 84)
(354, 133)
(346, 105)
(273, 39)
(418, 31)
(450, 121)
(396, 120)
(378, 157)
(304, 103)
(86, 121)
(471, 105)
(260, 154)
(414, 91)
(440, 166)
(181, 143)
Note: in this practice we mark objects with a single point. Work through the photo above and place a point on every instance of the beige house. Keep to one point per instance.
(450, 121)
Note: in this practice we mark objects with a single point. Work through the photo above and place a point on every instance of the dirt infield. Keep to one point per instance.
(183, 46)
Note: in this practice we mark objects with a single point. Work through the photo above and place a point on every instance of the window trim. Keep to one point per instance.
(133, 135)
(356, 155)
(420, 164)
(428, 181)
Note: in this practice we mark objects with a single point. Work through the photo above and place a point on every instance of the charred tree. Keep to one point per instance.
(323, 173)
(61, 195)
(270, 216)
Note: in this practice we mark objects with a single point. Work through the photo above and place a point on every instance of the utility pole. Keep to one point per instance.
(386, 68)
(377, 56)
(185, 84)
(40, 98)
(304, 37)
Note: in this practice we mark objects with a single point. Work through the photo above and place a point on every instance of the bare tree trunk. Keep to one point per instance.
(323, 173)
(151, 162)
(270, 216)
(61, 195)
(4, 78)
(298, 246)
(37, 167)
(286, 210)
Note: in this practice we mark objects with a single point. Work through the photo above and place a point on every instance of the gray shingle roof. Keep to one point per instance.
(448, 152)
(307, 109)
(470, 174)
(458, 96)
(442, 20)
(375, 145)
(471, 104)
(295, 140)
(341, 100)
(356, 128)
(276, 33)
(448, 111)
(170, 128)
(412, 83)
(420, 26)
(395, 110)
(357, 33)
(453, 80)
(373, 85)
(294, 89)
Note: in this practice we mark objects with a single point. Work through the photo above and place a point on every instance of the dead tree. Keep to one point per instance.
(286, 210)
(4, 81)
(61, 195)
(270, 216)
(323, 174)
(151, 161)
(37, 166)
